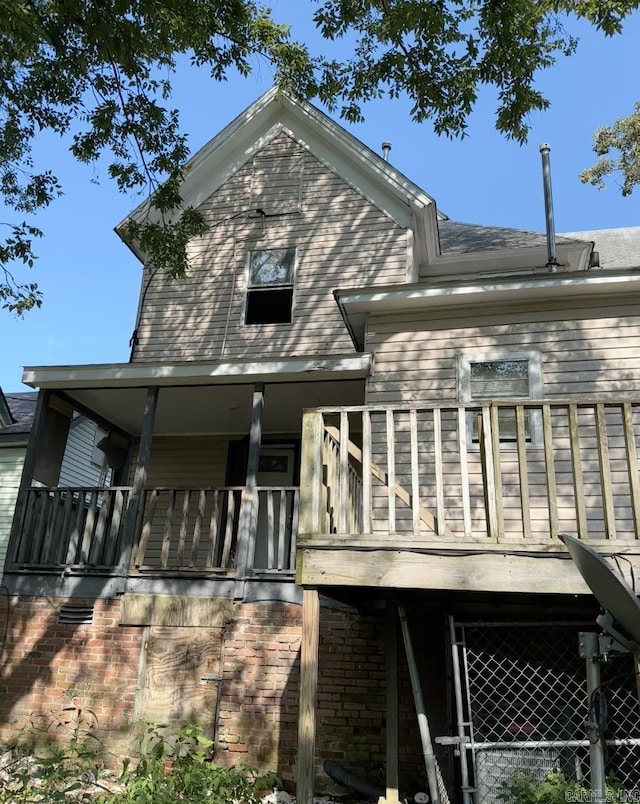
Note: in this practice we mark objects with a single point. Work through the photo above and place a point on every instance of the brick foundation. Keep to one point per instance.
(47, 666)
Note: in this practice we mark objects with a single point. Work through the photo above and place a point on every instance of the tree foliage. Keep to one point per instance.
(443, 53)
(618, 147)
(98, 72)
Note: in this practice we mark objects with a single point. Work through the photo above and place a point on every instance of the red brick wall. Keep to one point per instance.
(260, 688)
(47, 666)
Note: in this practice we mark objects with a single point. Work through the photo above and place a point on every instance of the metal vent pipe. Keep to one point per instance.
(552, 261)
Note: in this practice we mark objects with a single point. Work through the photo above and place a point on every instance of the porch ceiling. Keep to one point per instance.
(215, 409)
(208, 397)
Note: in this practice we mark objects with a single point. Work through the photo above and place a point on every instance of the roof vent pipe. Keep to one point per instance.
(552, 262)
(386, 147)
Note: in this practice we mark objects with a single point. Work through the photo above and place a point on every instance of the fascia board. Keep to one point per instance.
(575, 255)
(356, 304)
(10, 440)
(340, 151)
(136, 375)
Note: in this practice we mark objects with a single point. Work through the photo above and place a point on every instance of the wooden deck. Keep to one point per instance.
(467, 497)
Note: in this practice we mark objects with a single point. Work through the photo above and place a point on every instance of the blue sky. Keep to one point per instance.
(91, 281)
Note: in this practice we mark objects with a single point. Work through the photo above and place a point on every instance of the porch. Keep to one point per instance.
(201, 462)
(180, 531)
(467, 497)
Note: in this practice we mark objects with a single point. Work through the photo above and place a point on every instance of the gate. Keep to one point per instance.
(522, 709)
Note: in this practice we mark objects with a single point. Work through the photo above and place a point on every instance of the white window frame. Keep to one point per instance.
(535, 389)
(265, 288)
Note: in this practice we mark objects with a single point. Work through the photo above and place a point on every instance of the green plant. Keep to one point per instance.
(172, 767)
(56, 769)
(177, 767)
(555, 788)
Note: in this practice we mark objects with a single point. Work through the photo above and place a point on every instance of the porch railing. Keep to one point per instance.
(67, 527)
(503, 471)
(179, 529)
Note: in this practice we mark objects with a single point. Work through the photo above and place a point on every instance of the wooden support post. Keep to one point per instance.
(28, 467)
(139, 480)
(248, 514)
(391, 665)
(305, 769)
(311, 473)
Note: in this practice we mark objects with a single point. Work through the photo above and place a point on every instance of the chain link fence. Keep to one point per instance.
(524, 696)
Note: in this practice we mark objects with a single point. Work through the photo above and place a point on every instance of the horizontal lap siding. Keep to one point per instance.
(187, 462)
(583, 352)
(342, 240)
(11, 461)
(78, 468)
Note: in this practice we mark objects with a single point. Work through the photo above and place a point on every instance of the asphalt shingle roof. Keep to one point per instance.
(461, 238)
(618, 248)
(22, 405)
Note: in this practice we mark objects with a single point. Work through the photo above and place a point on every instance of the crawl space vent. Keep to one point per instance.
(72, 614)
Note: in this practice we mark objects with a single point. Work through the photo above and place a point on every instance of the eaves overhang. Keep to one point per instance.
(572, 256)
(364, 170)
(218, 372)
(356, 304)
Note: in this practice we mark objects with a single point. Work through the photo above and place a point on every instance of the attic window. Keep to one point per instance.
(270, 286)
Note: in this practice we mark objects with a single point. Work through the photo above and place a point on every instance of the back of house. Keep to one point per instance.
(353, 419)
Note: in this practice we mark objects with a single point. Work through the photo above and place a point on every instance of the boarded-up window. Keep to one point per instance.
(276, 182)
(181, 676)
(488, 378)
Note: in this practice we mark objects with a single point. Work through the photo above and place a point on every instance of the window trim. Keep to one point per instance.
(534, 367)
(266, 288)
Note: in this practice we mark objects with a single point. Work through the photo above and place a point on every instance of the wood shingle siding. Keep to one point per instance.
(341, 239)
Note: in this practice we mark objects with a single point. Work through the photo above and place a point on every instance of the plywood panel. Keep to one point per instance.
(181, 676)
(174, 610)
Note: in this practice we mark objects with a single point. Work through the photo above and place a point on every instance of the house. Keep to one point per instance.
(16, 415)
(352, 434)
(82, 463)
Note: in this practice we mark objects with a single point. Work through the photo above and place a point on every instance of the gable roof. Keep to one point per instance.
(360, 167)
(22, 406)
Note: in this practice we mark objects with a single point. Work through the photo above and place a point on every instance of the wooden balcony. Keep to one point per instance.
(467, 497)
(179, 530)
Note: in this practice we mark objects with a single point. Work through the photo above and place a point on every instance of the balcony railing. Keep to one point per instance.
(178, 529)
(502, 471)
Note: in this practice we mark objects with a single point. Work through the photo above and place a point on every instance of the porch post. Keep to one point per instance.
(391, 661)
(31, 455)
(248, 519)
(139, 479)
(305, 768)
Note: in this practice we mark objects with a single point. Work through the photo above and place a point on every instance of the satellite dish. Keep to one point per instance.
(611, 591)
